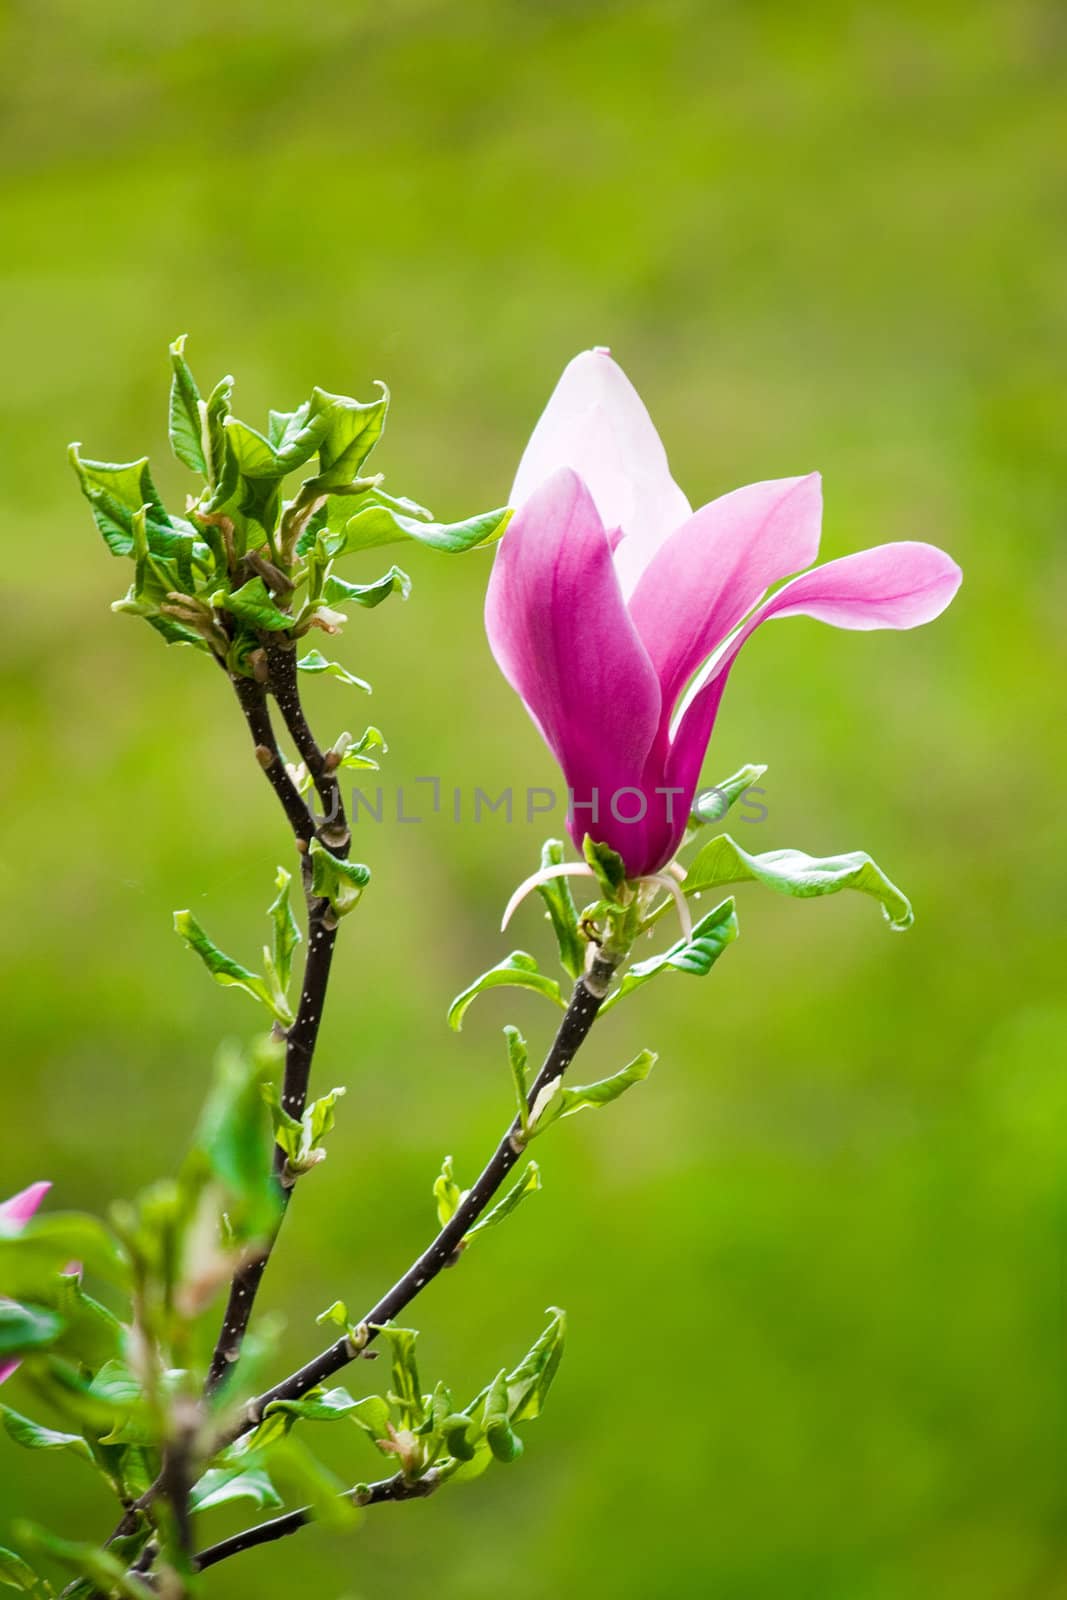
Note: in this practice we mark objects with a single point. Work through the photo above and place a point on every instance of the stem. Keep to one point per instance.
(321, 939)
(586, 1000)
(368, 1494)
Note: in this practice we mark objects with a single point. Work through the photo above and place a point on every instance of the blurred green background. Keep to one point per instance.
(815, 1267)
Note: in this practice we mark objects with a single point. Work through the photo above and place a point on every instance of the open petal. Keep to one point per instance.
(560, 631)
(711, 571)
(17, 1211)
(892, 586)
(596, 424)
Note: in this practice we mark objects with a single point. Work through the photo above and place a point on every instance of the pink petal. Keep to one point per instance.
(712, 570)
(17, 1211)
(6, 1369)
(892, 586)
(596, 424)
(563, 638)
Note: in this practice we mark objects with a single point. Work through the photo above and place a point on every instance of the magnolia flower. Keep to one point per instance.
(14, 1215)
(617, 612)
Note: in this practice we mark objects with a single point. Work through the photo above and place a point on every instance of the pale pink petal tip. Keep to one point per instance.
(21, 1207)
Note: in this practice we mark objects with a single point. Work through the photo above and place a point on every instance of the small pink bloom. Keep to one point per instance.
(617, 612)
(14, 1215)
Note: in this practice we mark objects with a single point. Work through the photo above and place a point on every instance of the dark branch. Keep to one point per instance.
(321, 939)
(588, 997)
(368, 1494)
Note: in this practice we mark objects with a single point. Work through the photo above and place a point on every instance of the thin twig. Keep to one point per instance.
(586, 1000)
(367, 1494)
(321, 937)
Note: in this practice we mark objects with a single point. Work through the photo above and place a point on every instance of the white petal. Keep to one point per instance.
(596, 424)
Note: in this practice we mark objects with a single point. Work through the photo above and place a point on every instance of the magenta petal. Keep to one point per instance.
(563, 638)
(6, 1369)
(892, 586)
(17, 1211)
(712, 570)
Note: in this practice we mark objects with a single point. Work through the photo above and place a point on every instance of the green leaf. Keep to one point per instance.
(356, 757)
(256, 457)
(447, 1193)
(793, 872)
(337, 592)
(696, 955)
(26, 1328)
(302, 1138)
(230, 973)
(34, 1436)
(711, 805)
(91, 1334)
(233, 1137)
(218, 409)
(556, 893)
(517, 971)
(254, 604)
(529, 1183)
(219, 1486)
(560, 1102)
(315, 661)
(349, 431)
(336, 1315)
(286, 931)
(186, 418)
(529, 1383)
(517, 1060)
(318, 1405)
(608, 866)
(384, 522)
(503, 1441)
(340, 882)
(406, 1392)
(104, 1570)
(299, 1474)
(14, 1572)
(115, 491)
(31, 1257)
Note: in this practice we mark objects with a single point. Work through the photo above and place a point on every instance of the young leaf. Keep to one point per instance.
(26, 1328)
(447, 1193)
(337, 592)
(529, 1183)
(696, 955)
(503, 1441)
(793, 872)
(318, 1405)
(34, 1436)
(101, 1567)
(230, 973)
(286, 931)
(115, 491)
(219, 1486)
(355, 757)
(15, 1574)
(340, 882)
(608, 866)
(253, 603)
(31, 1258)
(517, 1061)
(563, 1102)
(383, 521)
(233, 1138)
(186, 419)
(406, 1393)
(349, 430)
(315, 661)
(529, 1383)
(711, 805)
(517, 971)
(556, 893)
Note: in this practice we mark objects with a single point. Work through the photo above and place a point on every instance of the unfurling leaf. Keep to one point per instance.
(446, 1192)
(711, 804)
(529, 1383)
(406, 1393)
(503, 1441)
(301, 1139)
(793, 872)
(35, 1436)
(187, 417)
(517, 1061)
(336, 592)
(315, 661)
(233, 1139)
(556, 893)
(219, 1486)
(529, 1183)
(230, 973)
(286, 931)
(340, 882)
(696, 954)
(518, 971)
(384, 520)
(556, 1101)
(26, 1328)
(17, 1574)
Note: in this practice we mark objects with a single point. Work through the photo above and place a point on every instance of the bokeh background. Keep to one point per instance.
(815, 1267)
